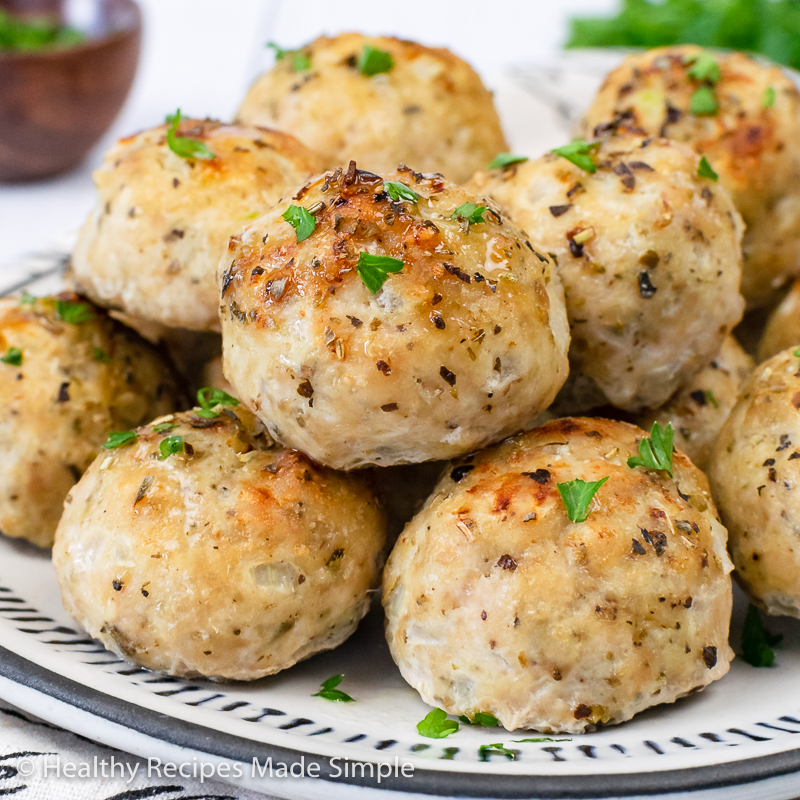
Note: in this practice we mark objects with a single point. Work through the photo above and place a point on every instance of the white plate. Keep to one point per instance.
(738, 739)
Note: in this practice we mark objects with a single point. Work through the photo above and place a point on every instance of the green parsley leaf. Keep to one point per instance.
(73, 313)
(399, 191)
(120, 439)
(373, 61)
(655, 451)
(301, 61)
(164, 426)
(487, 750)
(183, 146)
(705, 170)
(757, 641)
(328, 691)
(504, 160)
(704, 68)
(100, 355)
(13, 357)
(703, 103)
(170, 446)
(580, 153)
(577, 495)
(374, 270)
(27, 299)
(209, 398)
(796, 353)
(768, 98)
(542, 739)
(471, 213)
(709, 395)
(301, 220)
(484, 720)
(32, 33)
(436, 725)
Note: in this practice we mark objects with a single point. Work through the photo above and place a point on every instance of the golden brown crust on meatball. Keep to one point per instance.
(74, 383)
(699, 409)
(497, 603)
(231, 559)
(151, 245)
(752, 143)
(755, 475)
(458, 349)
(429, 110)
(783, 326)
(649, 255)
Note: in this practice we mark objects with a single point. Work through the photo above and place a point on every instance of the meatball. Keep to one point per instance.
(699, 409)
(151, 245)
(68, 376)
(202, 549)
(497, 603)
(381, 101)
(783, 326)
(744, 116)
(649, 255)
(755, 476)
(355, 363)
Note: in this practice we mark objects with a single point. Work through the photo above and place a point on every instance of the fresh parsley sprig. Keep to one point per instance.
(470, 213)
(655, 450)
(505, 160)
(703, 68)
(399, 191)
(13, 357)
(328, 691)
(170, 446)
(209, 399)
(436, 725)
(481, 719)
(373, 61)
(299, 59)
(581, 153)
(757, 641)
(577, 495)
(182, 145)
(374, 270)
(120, 439)
(73, 313)
(542, 739)
(485, 751)
(705, 170)
(301, 220)
(163, 427)
(703, 103)
(768, 98)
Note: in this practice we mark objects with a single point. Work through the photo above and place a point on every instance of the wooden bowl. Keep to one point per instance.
(55, 105)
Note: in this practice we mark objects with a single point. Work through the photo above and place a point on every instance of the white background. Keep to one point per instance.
(202, 54)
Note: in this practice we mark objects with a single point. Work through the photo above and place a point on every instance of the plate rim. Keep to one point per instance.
(209, 741)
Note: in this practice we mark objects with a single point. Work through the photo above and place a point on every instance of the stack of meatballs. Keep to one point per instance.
(351, 322)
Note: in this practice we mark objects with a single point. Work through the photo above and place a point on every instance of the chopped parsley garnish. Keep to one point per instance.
(542, 739)
(170, 446)
(484, 720)
(100, 355)
(300, 60)
(704, 68)
(27, 299)
(13, 357)
(577, 495)
(487, 750)
(183, 146)
(209, 399)
(399, 191)
(503, 160)
(373, 61)
(757, 641)
(581, 153)
(705, 170)
(471, 213)
(164, 426)
(436, 725)
(709, 395)
(768, 98)
(35, 33)
(655, 451)
(73, 313)
(301, 220)
(703, 103)
(120, 439)
(328, 691)
(374, 270)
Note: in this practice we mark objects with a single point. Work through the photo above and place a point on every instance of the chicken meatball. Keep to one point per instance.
(151, 245)
(743, 115)
(755, 476)
(783, 326)
(699, 409)
(649, 255)
(68, 376)
(395, 330)
(553, 614)
(201, 549)
(381, 101)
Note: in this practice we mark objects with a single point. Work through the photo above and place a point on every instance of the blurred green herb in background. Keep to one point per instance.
(35, 33)
(770, 27)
